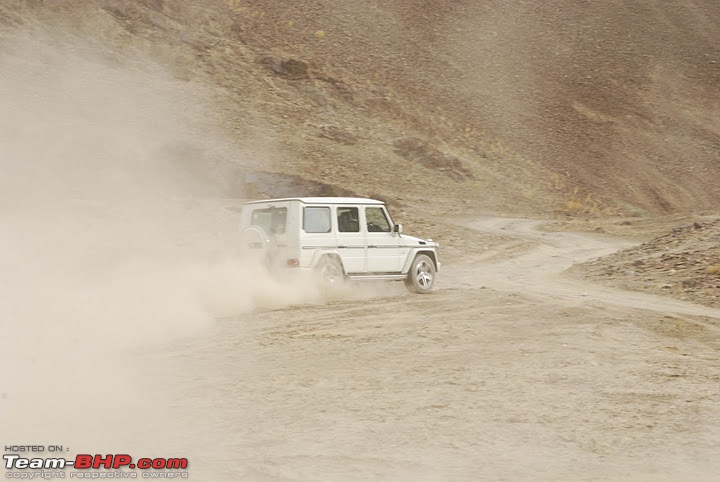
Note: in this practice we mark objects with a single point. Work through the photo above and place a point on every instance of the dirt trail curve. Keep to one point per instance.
(507, 372)
(536, 271)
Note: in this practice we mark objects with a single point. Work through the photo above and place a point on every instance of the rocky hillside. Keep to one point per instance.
(516, 107)
(683, 263)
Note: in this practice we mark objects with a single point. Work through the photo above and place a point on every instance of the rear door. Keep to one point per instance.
(383, 246)
(317, 232)
(350, 239)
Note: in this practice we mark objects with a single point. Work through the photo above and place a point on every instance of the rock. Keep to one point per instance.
(416, 150)
(338, 135)
(116, 8)
(192, 40)
(291, 69)
(665, 286)
(680, 227)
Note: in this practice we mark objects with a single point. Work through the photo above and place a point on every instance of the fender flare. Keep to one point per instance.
(319, 254)
(414, 252)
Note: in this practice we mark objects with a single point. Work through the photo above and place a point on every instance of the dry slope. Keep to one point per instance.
(516, 107)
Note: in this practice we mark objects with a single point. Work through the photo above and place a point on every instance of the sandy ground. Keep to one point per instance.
(507, 372)
(130, 325)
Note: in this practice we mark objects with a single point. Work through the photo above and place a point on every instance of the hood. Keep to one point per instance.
(407, 240)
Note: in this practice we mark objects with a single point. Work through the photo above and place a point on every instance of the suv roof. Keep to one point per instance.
(322, 200)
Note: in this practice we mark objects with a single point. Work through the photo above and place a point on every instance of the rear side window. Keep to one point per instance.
(348, 220)
(316, 219)
(271, 220)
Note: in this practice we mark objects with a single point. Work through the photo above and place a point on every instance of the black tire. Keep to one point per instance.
(330, 273)
(421, 275)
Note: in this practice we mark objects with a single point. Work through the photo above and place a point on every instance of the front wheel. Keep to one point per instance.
(421, 276)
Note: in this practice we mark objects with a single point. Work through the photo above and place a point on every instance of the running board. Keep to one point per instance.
(373, 277)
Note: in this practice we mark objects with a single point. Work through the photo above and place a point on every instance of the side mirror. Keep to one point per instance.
(397, 228)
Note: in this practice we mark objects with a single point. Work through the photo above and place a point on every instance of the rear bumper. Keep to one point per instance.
(291, 271)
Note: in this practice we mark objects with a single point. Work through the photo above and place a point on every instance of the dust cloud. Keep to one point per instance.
(108, 243)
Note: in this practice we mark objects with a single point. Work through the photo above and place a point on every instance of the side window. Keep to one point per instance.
(376, 220)
(316, 219)
(348, 220)
(271, 220)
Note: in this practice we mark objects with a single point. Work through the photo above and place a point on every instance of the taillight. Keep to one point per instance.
(293, 262)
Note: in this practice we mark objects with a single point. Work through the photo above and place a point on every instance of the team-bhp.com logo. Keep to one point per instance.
(155, 467)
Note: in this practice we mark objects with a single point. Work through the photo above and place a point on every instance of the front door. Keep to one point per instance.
(383, 246)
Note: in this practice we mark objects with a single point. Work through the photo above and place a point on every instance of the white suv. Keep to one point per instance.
(338, 238)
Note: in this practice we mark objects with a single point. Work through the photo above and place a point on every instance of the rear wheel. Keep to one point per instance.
(330, 273)
(421, 276)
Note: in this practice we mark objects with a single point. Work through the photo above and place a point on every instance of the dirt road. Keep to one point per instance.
(114, 236)
(507, 372)
(536, 271)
